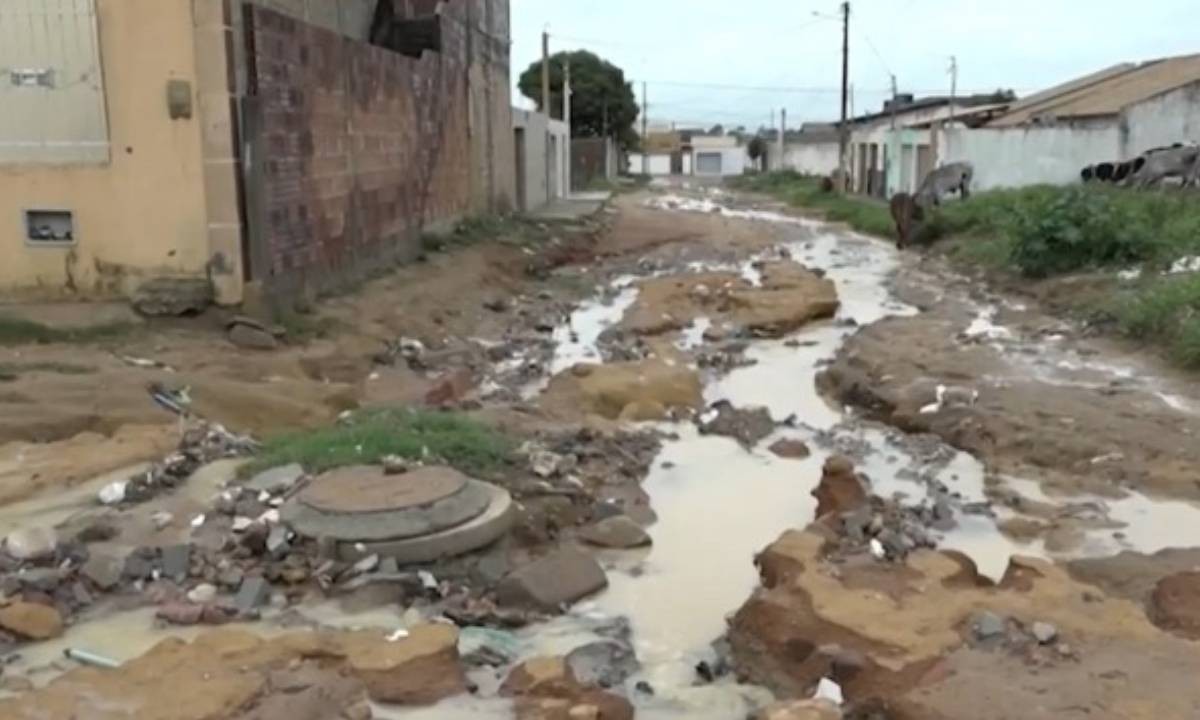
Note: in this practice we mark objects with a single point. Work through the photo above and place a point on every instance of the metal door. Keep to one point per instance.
(708, 163)
(51, 83)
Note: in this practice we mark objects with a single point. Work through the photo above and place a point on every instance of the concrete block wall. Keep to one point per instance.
(357, 148)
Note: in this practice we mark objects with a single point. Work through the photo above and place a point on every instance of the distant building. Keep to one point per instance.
(1111, 115)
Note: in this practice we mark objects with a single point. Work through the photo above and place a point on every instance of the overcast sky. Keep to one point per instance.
(676, 45)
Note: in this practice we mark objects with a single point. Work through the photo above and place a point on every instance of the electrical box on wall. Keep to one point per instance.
(49, 227)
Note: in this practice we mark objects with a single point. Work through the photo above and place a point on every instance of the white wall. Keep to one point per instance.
(1020, 156)
(659, 164)
(544, 158)
(812, 158)
(1170, 118)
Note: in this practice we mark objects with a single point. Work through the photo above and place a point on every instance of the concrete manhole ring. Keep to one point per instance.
(366, 489)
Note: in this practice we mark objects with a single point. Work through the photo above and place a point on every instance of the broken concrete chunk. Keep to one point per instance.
(554, 581)
(203, 593)
(31, 543)
(278, 541)
(606, 663)
(252, 594)
(746, 425)
(277, 479)
(618, 532)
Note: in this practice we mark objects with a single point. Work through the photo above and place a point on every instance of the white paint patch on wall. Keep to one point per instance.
(1020, 156)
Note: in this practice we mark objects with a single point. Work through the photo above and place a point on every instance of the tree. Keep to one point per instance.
(757, 148)
(602, 101)
(717, 130)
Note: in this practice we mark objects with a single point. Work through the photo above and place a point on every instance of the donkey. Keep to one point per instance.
(952, 177)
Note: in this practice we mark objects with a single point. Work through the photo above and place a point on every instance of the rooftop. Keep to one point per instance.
(1104, 93)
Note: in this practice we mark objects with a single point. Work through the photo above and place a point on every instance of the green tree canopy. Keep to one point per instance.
(601, 99)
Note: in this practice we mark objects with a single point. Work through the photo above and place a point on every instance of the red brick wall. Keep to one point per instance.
(354, 150)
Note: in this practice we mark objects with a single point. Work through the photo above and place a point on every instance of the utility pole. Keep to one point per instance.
(895, 93)
(544, 105)
(782, 133)
(567, 116)
(844, 134)
(953, 80)
(645, 132)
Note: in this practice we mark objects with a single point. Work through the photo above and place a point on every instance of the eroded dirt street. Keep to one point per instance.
(806, 463)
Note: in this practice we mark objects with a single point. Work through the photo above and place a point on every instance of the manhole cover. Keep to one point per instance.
(366, 489)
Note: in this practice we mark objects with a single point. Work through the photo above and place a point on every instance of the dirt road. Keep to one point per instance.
(995, 486)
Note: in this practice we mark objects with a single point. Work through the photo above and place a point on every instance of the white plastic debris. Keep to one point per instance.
(1130, 274)
(428, 581)
(264, 496)
(240, 524)
(114, 492)
(877, 550)
(1187, 264)
(161, 519)
(398, 634)
(198, 520)
(829, 690)
(270, 517)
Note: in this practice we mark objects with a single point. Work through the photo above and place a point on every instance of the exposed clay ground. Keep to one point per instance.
(1066, 428)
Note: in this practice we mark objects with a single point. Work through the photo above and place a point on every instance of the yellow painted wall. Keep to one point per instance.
(143, 213)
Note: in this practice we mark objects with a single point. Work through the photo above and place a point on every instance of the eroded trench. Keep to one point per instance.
(717, 502)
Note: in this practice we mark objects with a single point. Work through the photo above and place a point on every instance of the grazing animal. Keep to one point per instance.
(1159, 164)
(953, 177)
(908, 214)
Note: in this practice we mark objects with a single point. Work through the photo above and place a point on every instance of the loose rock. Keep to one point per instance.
(554, 581)
(791, 449)
(103, 570)
(1175, 604)
(31, 543)
(420, 669)
(1045, 632)
(253, 594)
(31, 620)
(618, 532)
(987, 625)
(840, 490)
(606, 663)
(252, 338)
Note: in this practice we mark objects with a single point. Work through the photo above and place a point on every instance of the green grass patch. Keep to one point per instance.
(1165, 311)
(17, 331)
(366, 437)
(862, 214)
(512, 229)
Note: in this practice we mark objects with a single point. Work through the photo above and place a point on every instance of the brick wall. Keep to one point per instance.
(353, 150)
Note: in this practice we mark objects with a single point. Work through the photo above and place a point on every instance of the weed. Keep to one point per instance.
(1166, 310)
(366, 437)
(16, 331)
(861, 214)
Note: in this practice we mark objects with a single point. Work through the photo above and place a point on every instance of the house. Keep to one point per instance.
(541, 145)
(253, 148)
(894, 149)
(718, 156)
(1111, 115)
(690, 153)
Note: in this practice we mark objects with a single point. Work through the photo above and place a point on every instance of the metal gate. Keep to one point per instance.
(708, 163)
(51, 83)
